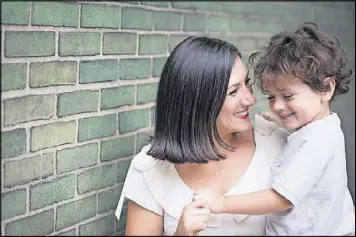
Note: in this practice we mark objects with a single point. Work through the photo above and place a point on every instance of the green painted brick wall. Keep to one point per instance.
(13, 203)
(135, 68)
(77, 157)
(13, 76)
(79, 43)
(38, 43)
(52, 73)
(47, 13)
(119, 43)
(48, 193)
(78, 84)
(77, 102)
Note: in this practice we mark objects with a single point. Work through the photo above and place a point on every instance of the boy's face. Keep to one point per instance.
(294, 102)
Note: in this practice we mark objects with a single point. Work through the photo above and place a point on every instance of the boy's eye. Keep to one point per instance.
(288, 96)
(270, 97)
(249, 82)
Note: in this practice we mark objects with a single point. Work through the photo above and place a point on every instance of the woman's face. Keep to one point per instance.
(234, 116)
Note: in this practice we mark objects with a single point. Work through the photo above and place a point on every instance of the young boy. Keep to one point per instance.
(301, 73)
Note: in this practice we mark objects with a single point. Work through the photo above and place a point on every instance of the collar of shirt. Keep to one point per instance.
(316, 126)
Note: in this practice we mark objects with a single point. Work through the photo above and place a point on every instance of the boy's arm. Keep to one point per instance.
(256, 203)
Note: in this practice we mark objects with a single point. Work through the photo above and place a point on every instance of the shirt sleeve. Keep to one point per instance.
(136, 189)
(303, 170)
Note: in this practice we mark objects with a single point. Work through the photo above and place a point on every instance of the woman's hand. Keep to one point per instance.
(214, 201)
(194, 219)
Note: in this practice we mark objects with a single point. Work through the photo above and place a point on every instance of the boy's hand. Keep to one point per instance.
(269, 116)
(214, 201)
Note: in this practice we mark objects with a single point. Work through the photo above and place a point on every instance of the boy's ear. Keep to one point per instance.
(326, 96)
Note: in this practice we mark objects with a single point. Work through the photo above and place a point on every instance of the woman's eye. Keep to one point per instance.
(270, 97)
(288, 96)
(233, 92)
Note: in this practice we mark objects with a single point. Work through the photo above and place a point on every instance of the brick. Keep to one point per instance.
(243, 43)
(77, 102)
(168, 21)
(18, 172)
(13, 76)
(146, 93)
(48, 193)
(152, 44)
(47, 164)
(102, 226)
(136, 18)
(239, 25)
(158, 64)
(133, 120)
(194, 22)
(156, 4)
(248, 7)
(15, 13)
(38, 224)
(153, 114)
(174, 40)
(135, 68)
(98, 71)
(96, 127)
(121, 224)
(143, 138)
(131, 2)
(76, 211)
(53, 73)
(107, 200)
(55, 14)
(121, 170)
(117, 97)
(94, 15)
(184, 5)
(77, 157)
(72, 232)
(13, 142)
(116, 148)
(28, 108)
(51, 135)
(38, 43)
(96, 178)
(119, 43)
(79, 43)
(218, 23)
(13, 203)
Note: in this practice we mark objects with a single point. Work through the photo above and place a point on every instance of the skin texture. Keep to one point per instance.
(291, 95)
(219, 176)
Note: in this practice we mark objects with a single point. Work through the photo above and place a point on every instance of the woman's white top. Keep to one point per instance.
(312, 175)
(156, 185)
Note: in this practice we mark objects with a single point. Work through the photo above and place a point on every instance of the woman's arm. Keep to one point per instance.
(141, 221)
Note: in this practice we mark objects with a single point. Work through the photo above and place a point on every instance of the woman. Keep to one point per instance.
(203, 139)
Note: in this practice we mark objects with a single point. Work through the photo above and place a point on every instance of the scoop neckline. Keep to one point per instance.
(234, 187)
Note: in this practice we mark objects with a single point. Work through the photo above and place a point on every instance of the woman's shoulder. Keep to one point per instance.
(160, 180)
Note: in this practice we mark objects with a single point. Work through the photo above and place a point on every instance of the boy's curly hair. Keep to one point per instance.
(307, 54)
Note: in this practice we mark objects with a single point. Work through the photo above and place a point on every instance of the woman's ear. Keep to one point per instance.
(327, 95)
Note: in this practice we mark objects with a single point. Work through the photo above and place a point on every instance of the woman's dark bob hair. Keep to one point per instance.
(191, 92)
(307, 54)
